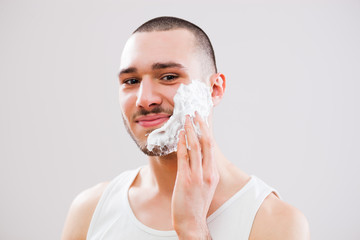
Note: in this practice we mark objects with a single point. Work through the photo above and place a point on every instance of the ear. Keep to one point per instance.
(217, 85)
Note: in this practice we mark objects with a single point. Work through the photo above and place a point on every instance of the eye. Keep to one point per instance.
(131, 81)
(170, 77)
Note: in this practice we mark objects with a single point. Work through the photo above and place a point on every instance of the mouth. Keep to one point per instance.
(152, 120)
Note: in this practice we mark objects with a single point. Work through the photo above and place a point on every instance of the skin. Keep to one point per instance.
(178, 191)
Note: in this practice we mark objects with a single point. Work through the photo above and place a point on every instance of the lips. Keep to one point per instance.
(152, 120)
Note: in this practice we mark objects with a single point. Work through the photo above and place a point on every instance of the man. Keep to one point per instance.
(195, 192)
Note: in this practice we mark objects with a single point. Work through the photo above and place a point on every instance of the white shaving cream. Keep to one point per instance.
(195, 96)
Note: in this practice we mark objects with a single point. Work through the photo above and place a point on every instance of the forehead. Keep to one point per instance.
(146, 48)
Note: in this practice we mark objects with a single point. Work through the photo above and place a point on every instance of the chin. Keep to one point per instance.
(157, 151)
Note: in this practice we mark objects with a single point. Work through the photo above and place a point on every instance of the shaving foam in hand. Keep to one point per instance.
(195, 96)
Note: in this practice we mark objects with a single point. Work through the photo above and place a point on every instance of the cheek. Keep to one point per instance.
(127, 104)
(128, 100)
(168, 93)
(170, 97)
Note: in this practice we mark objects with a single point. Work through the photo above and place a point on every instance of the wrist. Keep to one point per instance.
(194, 233)
(194, 236)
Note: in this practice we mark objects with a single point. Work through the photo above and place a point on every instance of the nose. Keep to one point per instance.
(147, 96)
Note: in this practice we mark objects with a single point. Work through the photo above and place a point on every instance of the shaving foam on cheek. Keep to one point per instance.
(195, 96)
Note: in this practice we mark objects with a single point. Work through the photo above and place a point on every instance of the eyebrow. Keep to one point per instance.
(166, 65)
(155, 66)
(128, 70)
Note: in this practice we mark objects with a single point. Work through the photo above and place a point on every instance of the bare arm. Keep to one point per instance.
(81, 210)
(278, 220)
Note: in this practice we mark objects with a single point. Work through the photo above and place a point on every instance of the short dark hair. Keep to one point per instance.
(172, 23)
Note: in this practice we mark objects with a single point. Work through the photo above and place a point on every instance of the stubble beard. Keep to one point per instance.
(157, 150)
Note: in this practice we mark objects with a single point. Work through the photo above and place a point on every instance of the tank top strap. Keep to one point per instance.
(234, 219)
(105, 214)
(261, 190)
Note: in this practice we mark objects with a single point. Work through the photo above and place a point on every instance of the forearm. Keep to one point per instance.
(194, 236)
(194, 233)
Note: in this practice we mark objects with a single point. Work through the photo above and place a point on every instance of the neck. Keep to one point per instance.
(163, 172)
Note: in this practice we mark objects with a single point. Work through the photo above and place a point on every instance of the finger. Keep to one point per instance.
(194, 150)
(182, 155)
(206, 143)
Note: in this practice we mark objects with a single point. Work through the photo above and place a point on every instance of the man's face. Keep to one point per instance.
(153, 65)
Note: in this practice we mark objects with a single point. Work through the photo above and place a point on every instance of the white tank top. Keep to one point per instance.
(114, 219)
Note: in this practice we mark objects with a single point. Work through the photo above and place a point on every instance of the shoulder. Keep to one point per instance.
(277, 219)
(81, 211)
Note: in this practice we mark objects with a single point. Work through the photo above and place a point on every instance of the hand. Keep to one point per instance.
(196, 181)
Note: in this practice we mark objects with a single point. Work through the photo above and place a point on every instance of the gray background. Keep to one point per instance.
(289, 116)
